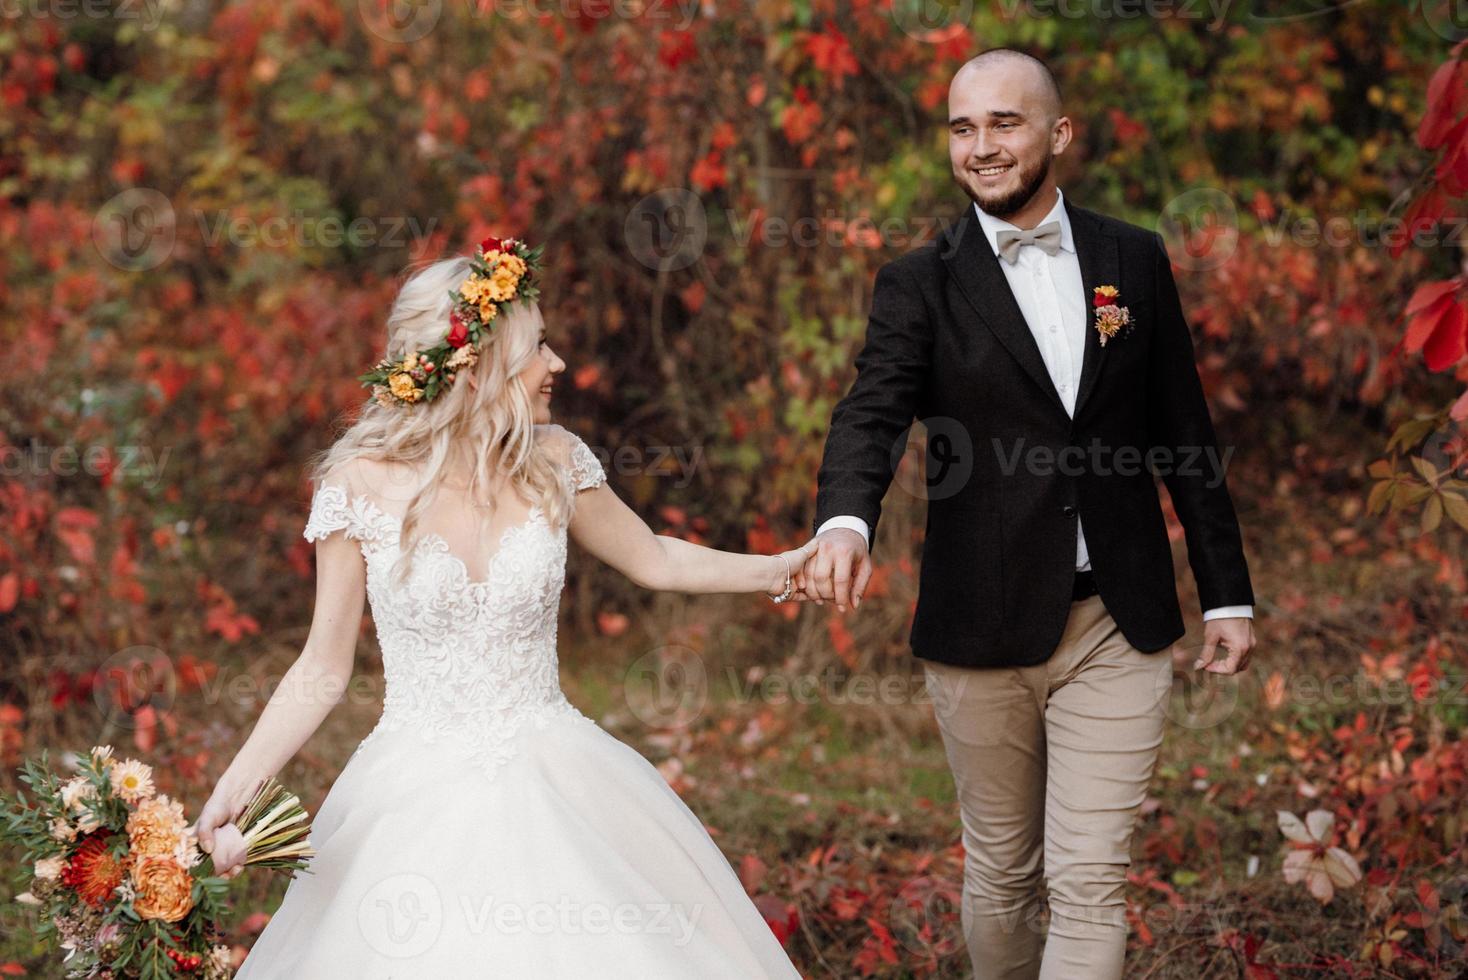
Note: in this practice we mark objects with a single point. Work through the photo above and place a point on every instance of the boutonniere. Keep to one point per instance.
(1110, 318)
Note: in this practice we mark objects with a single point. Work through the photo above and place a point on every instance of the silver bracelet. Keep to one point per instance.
(789, 584)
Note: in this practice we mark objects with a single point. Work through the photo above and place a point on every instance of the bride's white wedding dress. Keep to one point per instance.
(485, 827)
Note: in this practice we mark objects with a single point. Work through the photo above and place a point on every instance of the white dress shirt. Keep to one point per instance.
(1051, 296)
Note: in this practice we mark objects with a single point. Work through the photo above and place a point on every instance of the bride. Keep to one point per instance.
(485, 827)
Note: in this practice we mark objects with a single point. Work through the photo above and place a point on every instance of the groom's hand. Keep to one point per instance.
(839, 570)
(1236, 635)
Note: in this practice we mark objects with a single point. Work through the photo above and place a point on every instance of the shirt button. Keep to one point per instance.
(1068, 511)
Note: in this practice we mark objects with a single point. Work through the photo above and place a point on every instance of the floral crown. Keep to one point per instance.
(502, 271)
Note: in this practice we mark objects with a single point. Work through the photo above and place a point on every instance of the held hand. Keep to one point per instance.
(839, 570)
(1236, 635)
(793, 561)
(218, 835)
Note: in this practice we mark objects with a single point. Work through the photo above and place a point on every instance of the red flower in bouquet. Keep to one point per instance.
(94, 871)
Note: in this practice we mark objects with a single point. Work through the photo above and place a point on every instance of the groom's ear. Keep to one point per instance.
(1060, 135)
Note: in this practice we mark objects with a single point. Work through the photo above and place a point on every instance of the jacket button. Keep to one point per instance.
(1068, 510)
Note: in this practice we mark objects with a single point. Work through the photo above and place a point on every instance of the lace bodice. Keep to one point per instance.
(467, 663)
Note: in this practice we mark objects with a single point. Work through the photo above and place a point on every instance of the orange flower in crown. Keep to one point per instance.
(502, 271)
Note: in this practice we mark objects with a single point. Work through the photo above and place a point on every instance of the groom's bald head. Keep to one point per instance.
(1010, 68)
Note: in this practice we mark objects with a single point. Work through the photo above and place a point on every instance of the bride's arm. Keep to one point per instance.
(613, 532)
(306, 694)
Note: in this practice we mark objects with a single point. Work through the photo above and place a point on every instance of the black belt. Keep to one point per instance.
(1085, 586)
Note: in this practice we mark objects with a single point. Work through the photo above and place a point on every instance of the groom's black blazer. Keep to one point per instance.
(946, 343)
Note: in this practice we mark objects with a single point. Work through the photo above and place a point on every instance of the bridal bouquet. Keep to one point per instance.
(117, 872)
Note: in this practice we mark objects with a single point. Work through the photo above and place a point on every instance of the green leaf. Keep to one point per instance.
(1457, 508)
(1426, 468)
(1432, 515)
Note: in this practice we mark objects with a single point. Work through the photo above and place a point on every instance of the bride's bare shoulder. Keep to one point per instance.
(376, 478)
(570, 451)
(557, 440)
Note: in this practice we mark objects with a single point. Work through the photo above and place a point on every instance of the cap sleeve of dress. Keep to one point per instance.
(586, 469)
(330, 512)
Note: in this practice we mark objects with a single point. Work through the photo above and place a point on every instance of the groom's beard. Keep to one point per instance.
(1006, 204)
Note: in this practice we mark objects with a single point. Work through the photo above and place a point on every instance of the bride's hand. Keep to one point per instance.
(216, 830)
(797, 557)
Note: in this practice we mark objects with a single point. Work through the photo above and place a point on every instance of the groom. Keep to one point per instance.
(1046, 343)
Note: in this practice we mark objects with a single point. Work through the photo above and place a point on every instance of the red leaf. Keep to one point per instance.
(723, 136)
(147, 734)
(752, 872)
(831, 53)
(1452, 169)
(692, 296)
(676, 47)
(1427, 315)
(586, 376)
(1429, 293)
(1447, 98)
(1459, 411)
(1446, 345)
(709, 172)
(611, 623)
(780, 915)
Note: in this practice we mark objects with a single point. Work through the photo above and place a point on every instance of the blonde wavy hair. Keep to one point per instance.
(486, 415)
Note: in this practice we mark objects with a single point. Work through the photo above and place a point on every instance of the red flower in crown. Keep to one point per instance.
(458, 332)
(491, 244)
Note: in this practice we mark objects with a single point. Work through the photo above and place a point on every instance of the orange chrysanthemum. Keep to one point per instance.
(164, 889)
(94, 871)
(156, 827)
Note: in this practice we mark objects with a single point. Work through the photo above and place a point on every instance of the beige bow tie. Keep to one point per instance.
(1047, 236)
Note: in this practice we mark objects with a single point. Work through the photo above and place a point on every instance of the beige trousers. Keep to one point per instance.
(1052, 762)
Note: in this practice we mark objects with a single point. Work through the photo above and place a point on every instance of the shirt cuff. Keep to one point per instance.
(855, 523)
(1222, 612)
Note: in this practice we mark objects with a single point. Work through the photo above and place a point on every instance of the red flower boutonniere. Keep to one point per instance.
(1110, 318)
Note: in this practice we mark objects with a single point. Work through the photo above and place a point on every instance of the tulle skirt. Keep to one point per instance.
(575, 859)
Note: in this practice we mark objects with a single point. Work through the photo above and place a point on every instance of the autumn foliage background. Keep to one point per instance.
(167, 371)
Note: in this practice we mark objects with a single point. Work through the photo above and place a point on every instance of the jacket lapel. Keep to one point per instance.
(974, 266)
(1100, 264)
